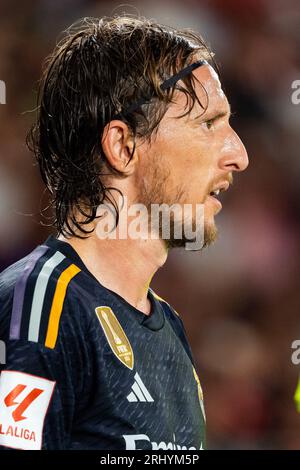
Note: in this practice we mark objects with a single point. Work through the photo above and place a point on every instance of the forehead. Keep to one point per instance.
(209, 78)
(209, 91)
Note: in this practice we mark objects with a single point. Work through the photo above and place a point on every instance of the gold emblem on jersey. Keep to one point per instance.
(115, 336)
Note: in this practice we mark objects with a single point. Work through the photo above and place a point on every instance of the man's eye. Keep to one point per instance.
(209, 123)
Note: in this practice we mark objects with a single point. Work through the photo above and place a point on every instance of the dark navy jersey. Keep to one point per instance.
(85, 369)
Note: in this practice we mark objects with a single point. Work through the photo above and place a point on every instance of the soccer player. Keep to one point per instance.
(130, 112)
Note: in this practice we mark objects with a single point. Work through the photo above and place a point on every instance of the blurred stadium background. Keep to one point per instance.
(240, 299)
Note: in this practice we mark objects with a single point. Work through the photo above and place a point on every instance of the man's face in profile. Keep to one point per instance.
(193, 156)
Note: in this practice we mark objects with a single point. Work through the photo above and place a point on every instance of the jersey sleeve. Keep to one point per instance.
(36, 404)
(42, 380)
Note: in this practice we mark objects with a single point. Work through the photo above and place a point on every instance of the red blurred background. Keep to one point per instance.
(240, 298)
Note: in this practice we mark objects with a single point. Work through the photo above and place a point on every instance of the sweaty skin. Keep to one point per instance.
(184, 162)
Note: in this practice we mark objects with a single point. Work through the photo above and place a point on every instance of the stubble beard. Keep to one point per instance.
(154, 190)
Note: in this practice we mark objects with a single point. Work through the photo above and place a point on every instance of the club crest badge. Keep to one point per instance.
(115, 336)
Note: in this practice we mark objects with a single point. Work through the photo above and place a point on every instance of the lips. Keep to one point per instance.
(216, 203)
(215, 192)
(219, 188)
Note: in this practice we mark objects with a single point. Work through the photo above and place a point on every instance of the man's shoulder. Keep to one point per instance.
(166, 306)
(34, 293)
(176, 323)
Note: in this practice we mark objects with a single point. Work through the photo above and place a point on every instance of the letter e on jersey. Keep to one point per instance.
(24, 401)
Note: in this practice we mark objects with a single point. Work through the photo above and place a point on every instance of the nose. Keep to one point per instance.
(234, 155)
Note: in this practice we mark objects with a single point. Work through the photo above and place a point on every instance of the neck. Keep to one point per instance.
(123, 266)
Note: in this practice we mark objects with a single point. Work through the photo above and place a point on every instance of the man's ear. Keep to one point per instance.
(117, 143)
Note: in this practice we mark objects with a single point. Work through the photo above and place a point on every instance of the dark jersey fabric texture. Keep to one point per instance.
(122, 379)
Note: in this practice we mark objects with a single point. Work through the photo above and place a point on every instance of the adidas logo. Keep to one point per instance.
(139, 391)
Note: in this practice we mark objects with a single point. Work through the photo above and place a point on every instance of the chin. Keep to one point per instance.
(210, 234)
(207, 236)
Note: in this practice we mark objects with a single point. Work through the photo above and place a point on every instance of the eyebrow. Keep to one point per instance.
(218, 115)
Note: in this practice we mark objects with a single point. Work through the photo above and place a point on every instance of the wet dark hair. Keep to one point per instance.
(98, 69)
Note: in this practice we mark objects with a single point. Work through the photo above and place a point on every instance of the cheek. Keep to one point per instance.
(196, 178)
(199, 169)
(190, 160)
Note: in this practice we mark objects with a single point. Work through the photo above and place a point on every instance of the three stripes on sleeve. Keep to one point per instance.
(39, 296)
